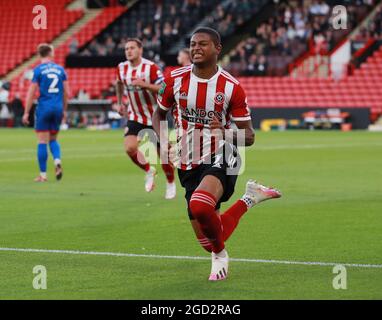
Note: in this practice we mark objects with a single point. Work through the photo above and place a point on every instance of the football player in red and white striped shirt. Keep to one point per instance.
(204, 100)
(141, 79)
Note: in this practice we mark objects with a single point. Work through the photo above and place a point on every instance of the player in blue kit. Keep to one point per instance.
(50, 78)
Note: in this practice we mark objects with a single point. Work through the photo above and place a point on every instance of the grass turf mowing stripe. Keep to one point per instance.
(156, 256)
(120, 152)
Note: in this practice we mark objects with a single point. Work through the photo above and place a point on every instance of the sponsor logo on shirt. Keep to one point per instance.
(200, 115)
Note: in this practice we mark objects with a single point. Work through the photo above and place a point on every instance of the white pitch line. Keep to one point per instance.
(156, 256)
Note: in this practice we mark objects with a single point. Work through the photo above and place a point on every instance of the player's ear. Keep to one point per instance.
(219, 48)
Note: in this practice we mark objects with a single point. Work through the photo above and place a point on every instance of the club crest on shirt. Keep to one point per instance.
(219, 98)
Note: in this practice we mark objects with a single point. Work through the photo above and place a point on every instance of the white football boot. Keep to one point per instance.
(256, 193)
(219, 268)
(170, 190)
(149, 179)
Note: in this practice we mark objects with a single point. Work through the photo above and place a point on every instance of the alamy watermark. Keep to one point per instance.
(339, 18)
(221, 148)
(40, 21)
(40, 280)
(340, 280)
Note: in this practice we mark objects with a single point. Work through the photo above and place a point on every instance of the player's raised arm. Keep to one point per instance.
(30, 96)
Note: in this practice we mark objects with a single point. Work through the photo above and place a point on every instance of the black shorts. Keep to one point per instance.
(133, 128)
(190, 179)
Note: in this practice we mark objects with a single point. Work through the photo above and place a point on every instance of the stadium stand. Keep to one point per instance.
(172, 25)
(373, 29)
(157, 23)
(19, 40)
(361, 90)
(294, 30)
(89, 31)
(93, 80)
(227, 18)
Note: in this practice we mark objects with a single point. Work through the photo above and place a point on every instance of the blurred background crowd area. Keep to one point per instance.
(261, 39)
(294, 27)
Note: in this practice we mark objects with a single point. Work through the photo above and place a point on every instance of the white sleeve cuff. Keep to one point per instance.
(159, 80)
(241, 118)
(162, 106)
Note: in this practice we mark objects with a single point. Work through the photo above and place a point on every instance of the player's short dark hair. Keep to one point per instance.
(214, 35)
(44, 49)
(136, 40)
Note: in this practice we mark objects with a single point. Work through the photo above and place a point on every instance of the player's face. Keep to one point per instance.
(203, 49)
(132, 51)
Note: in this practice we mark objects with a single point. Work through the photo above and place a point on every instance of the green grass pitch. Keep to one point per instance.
(330, 212)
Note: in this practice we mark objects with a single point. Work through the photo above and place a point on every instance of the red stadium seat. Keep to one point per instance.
(17, 26)
(86, 78)
(363, 89)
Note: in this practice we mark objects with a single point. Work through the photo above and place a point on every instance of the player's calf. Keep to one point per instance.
(202, 206)
(42, 157)
(55, 149)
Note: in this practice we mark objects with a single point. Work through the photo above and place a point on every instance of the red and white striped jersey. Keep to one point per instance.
(194, 103)
(142, 102)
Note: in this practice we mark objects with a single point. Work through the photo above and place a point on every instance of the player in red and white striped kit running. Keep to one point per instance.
(204, 100)
(141, 79)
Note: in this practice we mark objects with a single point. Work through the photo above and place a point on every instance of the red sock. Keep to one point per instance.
(139, 159)
(230, 218)
(202, 206)
(205, 243)
(169, 172)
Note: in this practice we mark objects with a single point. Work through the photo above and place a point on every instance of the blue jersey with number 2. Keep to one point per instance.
(50, 77)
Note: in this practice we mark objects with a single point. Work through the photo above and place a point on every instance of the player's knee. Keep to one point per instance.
(131, 149)
(202, 205)
(42, 140)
